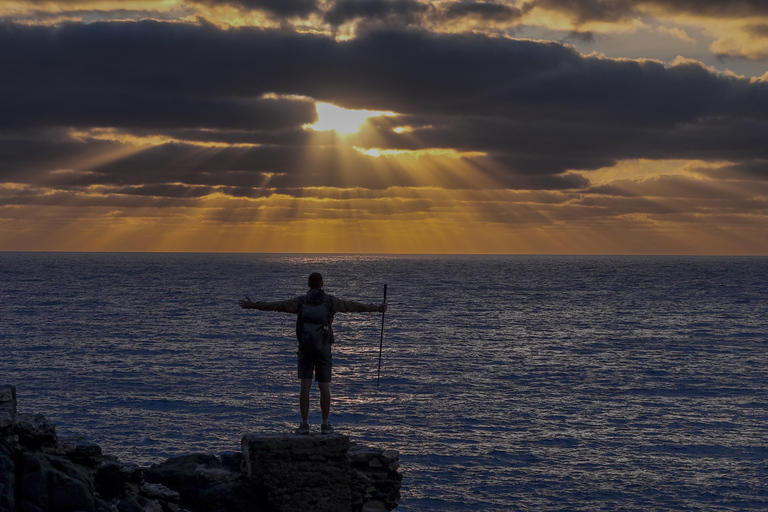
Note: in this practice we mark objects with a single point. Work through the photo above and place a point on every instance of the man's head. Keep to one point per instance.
(315, 280)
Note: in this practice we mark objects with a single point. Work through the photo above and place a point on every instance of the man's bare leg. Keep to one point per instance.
(325, 399)
(306, 385)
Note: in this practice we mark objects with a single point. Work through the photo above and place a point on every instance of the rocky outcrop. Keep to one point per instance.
(324, 473)
(40, 472)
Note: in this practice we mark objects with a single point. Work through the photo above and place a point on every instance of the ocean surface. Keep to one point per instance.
(507, 383)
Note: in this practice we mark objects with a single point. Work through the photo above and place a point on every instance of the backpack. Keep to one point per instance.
(313, 322)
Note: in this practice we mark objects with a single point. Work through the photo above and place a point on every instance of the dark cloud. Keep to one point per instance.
(760, 29)
(163, 190)
(583, 11)
(489, 11)
(401, 12)
(712, 8)
(104, 108)
(404, 71)
(537, 109)
(583, 37)
(282, 8)
(665, 186)
(750, 170)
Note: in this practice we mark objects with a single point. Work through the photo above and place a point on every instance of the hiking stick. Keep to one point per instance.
(381, 342)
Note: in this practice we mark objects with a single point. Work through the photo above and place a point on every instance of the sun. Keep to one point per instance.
(342, 120)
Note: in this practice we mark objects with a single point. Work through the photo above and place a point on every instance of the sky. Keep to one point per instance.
(385, 126)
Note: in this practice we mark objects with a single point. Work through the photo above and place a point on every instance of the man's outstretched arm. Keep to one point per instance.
(348, 306)
(284, 306)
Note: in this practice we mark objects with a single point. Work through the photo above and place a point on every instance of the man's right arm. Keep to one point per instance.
(284, 306)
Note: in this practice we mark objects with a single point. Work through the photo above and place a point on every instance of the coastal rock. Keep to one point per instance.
(376, 481)
(78, 450)
(7, 410)
(205, 484)
(300, 471)
(114, 479)
(40, 472)
(321, 473)
(35, 431)
(47, 482)
(8, 399)
(7, 478)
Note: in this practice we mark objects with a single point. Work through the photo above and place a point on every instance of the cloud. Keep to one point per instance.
(711, 8)
(489, 11)
(285, 8)
(748, 170)
(583, 11)
(536, 109)
(677, 33)
(109, 108)
(760, 29)
(400, 12)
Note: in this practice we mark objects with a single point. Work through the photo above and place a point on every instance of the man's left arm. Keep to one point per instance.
(348, 306)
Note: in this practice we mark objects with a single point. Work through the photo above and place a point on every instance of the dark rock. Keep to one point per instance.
(77, 449)
(7, 413)
(273, 473)
(7, 478)
(376, 482)
(189, 471)
(113, 479)
(232, 461)
(102, 505)
(129, 503)
(35, 431)
(159, 492)
(321, 473)
(8, 399)
(52, 483)
(206, 485)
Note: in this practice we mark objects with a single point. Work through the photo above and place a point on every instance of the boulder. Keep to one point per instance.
(7, 411)
(7, 477)
(51, 483)
(376, 480)
(8, 399)
(205, 484)
(35, 431)
(321, 473)
(79, 450)
(300, 472)
(113, 479)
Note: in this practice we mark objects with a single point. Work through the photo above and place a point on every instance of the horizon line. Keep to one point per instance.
(671, 254)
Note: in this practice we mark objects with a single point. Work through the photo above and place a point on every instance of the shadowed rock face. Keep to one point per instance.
(207, 483)
(40, 472)
(326, 473)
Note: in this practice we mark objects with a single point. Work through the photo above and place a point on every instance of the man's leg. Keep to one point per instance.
(306, 385)
(325, 399)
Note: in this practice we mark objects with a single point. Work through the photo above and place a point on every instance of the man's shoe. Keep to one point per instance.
(303, 429)
(326, 429)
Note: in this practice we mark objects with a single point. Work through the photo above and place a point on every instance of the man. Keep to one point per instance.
(315, 313)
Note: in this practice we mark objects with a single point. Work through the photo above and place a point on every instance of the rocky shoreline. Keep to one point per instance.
(40, 472)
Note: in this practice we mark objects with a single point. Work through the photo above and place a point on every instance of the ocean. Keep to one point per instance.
(507, 382)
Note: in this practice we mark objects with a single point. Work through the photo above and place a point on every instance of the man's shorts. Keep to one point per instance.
(318, 364)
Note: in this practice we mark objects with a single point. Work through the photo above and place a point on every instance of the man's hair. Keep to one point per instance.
(315, 280)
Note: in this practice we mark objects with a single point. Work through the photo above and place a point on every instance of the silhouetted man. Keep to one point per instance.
(314, 331)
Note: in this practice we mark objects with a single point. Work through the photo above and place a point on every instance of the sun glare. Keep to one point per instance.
(342, 120)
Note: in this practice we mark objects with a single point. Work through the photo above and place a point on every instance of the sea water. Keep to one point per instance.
(507, 383)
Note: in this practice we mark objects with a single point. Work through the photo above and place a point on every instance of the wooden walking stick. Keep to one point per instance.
(381, 342)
